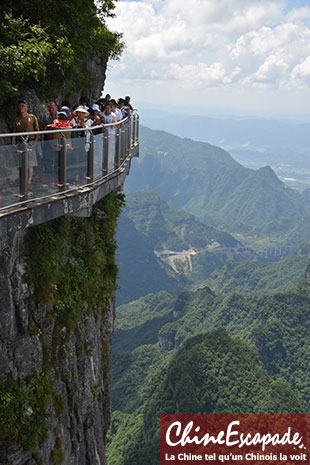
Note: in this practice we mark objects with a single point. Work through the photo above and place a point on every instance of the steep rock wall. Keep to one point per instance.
(57, 284)
(95, 74)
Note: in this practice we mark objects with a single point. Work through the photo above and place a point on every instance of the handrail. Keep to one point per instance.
(51, 131)
(63, 163)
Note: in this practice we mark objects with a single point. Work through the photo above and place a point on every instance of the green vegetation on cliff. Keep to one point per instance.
(72, 270)
(72, 265)
(23, 405)
(45, 46)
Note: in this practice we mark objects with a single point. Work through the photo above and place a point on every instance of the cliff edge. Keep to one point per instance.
(56, 323)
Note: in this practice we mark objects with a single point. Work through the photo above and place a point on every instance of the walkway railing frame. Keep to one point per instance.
(126, 140)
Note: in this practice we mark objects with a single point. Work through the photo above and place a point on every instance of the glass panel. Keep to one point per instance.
(98, 153)
(9, 175)
(111, 149)
(136, 128)
(105, 151)
(43, 158)
(77, 157)
(122, 143)
(117, 147)
(133, 127)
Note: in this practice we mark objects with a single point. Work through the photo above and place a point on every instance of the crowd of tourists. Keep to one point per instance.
(105, 110)
(84, 115)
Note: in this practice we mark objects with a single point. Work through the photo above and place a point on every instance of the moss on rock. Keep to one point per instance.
(72, 272)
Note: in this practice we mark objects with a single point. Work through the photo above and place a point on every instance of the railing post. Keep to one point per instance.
(105, 151)
(63, 163)
(117, 148)
(137, 134)
(122, 132)
(129, 136)
(120, 146)
(133, 141)
(90, 161)
(23, 180)
(126, 140)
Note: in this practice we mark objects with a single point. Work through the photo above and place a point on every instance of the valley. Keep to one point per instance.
(214, 302)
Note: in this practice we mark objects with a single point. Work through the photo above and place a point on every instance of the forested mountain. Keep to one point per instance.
(168, 250)
(196, 367)
(212, 373)
(274, 323)
(206, 181)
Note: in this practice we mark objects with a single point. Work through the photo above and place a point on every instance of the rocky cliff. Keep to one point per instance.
(57, 280)
(57, 312)
(94, 70)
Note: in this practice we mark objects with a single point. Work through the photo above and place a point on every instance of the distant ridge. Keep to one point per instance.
(206, 181)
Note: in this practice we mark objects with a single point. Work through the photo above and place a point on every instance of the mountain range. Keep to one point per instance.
(206, 181)
(254, 142)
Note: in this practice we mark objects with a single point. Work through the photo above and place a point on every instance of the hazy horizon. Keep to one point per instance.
(214, 112)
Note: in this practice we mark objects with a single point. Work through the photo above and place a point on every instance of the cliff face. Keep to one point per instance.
(95, 74)
(56, 322)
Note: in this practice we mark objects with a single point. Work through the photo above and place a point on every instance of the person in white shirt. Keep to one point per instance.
(109, 117)
(116, 111)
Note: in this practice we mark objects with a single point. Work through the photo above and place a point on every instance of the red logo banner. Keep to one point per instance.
(234, 439)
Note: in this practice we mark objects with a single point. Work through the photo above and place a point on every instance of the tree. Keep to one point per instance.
(45, 45)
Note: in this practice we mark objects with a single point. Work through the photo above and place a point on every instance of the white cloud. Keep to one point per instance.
(299, 13)
(224, 44)
(272, 67)
(302, 71)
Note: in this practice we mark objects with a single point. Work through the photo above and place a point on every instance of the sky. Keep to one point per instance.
(214, 56)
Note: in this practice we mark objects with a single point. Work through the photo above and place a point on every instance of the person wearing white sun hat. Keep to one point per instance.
(82, 121)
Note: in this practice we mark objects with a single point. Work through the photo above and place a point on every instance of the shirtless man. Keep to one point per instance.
(26, 122)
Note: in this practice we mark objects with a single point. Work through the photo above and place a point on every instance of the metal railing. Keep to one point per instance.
(62, 160)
